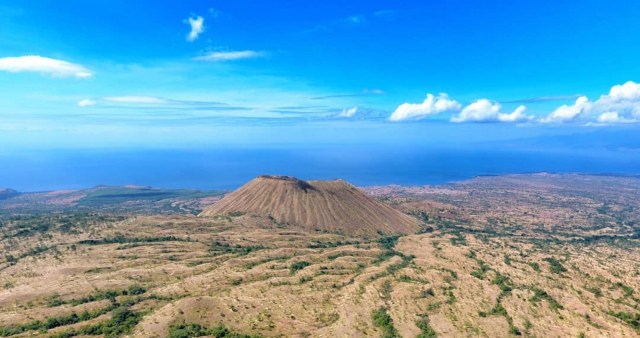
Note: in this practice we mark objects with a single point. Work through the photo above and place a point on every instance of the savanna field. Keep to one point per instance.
(521, 255)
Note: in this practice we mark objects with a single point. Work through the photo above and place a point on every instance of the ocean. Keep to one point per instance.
(228, 168)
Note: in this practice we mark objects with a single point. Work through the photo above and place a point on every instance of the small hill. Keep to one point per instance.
(6, 193)
(334, 206)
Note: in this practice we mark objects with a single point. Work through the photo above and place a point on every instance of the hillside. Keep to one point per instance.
(129, 199)
(518, 255)
(333, 206)
(6, 193)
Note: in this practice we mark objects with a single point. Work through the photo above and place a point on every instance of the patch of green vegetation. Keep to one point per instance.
(503, 282)
(419, 214)
(426, 331)
(453, 274)
(305, 279)
(324, 245)
(41, 224)
(434, 306)
(406, 260)
(595, 290)
(539, 294)
(482, 270)
(451, 298)
(237, 213)
(386, 290)
(221, 248)
(632, 319)
(499, 310)
(53, 322)
(197, 330)
(336, 255)
(383, 256)
(99, 295)
(555, 266)
(122, 322)
(459, 239)
(535, 266)
(29, 253)
(297, 266)
(628, 291)
(383, 321)
(122, 319)
(120, 239)
(388, 242)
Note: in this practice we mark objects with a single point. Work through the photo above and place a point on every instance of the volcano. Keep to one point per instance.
(332, 206)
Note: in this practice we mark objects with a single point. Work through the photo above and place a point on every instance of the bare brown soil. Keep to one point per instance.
(334, 206)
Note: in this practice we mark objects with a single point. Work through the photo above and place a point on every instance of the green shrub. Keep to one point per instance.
(297, 266)
(539, 294)
(384, 322)
(426, 331)
(555, 266)
(482, 270)
(631, 319)
(535, 266)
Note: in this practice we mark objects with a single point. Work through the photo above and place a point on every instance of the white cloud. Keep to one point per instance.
(430, 106)
(567, 113)
(137, 99)
(348, 112)
(44, 65)
(620, 105)
(230, 55)
(630, 91)
(484, 110)
(197, 27)
(86, 103)
(612, 117)
(516, 116)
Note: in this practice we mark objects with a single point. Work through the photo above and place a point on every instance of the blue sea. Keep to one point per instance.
(228, 168)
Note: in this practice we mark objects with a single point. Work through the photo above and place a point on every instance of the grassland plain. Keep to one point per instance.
(528, 255)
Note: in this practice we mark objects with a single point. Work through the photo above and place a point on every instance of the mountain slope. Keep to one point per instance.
(334, 206)
(6, 193)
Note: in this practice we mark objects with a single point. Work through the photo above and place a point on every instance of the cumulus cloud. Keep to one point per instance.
(629, 91)
(86, 103)
(230, 55)
(430, 106)
(567, 113)
(620, 105)
(484, 110)
(43, 65)
(197, 27)
(612, 117)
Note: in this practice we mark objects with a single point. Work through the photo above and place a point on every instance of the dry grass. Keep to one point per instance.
(256, 276)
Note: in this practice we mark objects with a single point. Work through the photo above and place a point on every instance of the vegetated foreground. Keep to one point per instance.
(528, 255)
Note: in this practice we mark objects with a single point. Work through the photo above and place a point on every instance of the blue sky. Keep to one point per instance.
(98, 74)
